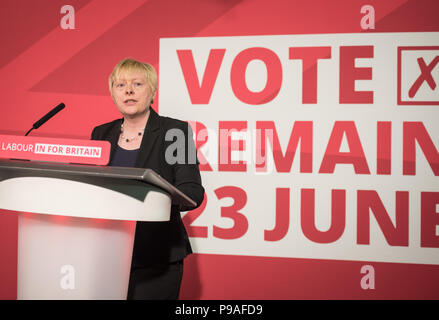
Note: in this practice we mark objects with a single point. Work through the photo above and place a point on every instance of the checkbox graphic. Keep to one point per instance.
(418, 75)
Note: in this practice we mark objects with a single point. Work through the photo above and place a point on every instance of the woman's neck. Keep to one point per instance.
(131, 124)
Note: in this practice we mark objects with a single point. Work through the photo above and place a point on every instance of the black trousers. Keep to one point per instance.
(156, 282)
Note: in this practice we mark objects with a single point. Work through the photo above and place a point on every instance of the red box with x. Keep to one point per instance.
(418, 75)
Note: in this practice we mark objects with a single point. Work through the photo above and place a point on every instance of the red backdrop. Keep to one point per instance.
(41, 65)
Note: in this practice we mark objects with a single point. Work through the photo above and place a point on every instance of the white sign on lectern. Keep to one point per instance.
(76, 225)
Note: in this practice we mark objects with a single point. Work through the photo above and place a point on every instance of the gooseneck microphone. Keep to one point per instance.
(49, 115)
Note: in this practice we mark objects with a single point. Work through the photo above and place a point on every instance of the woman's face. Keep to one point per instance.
(132, 94)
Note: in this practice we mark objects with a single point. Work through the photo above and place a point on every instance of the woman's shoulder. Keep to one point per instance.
(108, 124)
(169, 122)
(104, 128)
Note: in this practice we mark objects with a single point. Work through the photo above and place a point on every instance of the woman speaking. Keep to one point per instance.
(138, 140)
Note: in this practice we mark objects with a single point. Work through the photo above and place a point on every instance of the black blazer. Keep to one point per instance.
(158, 243)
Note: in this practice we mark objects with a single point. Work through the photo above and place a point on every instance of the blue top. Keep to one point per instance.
(124, 158)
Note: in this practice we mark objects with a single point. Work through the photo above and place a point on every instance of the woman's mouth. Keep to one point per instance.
(130, 102)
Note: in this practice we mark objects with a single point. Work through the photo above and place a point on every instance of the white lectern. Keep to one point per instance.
(76, 225)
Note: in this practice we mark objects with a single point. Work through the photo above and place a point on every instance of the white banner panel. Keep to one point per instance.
(329, 143)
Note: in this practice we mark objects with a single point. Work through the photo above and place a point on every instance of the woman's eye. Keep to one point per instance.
(119, 85)
(138, 84)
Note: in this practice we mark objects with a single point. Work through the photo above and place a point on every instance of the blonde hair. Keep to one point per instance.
(132, 65)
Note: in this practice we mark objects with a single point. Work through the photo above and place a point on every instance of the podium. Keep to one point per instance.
(76, 225)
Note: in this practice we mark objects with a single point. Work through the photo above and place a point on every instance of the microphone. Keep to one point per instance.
(49, 115)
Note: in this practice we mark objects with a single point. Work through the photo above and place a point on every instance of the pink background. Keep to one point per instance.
(42, 65)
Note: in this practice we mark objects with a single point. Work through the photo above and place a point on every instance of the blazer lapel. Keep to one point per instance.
(113, 137)
(149, 139)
